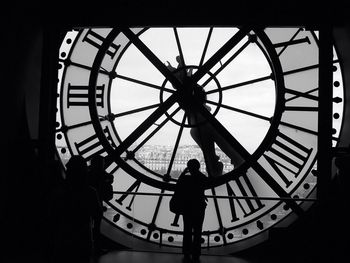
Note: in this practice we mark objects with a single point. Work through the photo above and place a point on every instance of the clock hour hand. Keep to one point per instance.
(145, 125)
(231, 145)
(208, 131)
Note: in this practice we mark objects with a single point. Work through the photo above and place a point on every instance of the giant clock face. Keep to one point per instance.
(242, 97)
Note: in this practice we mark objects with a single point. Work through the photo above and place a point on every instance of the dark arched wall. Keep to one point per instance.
(23, 197)
(342, 41)
(23, 190)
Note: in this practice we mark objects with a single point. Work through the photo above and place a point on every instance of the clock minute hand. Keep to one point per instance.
(152, 57)
(212, 61)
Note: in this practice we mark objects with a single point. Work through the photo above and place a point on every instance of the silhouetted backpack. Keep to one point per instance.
(178, 200)
(176, 203)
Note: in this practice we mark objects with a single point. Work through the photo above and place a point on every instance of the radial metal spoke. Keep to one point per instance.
(223, 66)
(206, 46)
(152, 57)
(244, 83)
(145, 125)
(159, 126)
(116, 115)
(144, 83)
(239, 110)
(179, 46)
(222, 131)
(178, 138)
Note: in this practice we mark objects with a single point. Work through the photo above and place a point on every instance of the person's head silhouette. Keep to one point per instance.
(193, 165)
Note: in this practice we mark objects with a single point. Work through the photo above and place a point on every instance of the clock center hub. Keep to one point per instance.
(193, 94)
(190, 94)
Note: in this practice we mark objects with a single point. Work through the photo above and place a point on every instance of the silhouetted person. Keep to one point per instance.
(202, 132)
(75, 208)
(101, 181)
(191, 185)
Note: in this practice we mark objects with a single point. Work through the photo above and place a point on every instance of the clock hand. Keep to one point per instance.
(223, 66)
(159, 126)
(243, 153)
(222, 137)
(211, 62)
(152, 57)
(145, 125)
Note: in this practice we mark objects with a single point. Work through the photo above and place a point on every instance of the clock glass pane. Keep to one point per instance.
(243, 110)
(165, 95)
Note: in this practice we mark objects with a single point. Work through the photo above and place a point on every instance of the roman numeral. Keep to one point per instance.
(291, 42)
(133, 188)
(176, 220)
(243, 187)
(112, 167)
(78, 95)
(288, 154)
(96, 40)
(91, 146)
(295, 96)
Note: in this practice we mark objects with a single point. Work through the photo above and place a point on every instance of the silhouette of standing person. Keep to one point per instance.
(101, 181)
(74, 211)
(191, 185)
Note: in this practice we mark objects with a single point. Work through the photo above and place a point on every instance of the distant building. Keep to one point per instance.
(157, 158)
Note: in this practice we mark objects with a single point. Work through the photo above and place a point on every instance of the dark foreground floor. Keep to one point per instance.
(152, 257)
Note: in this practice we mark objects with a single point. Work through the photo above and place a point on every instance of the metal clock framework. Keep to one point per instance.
(256, 91)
